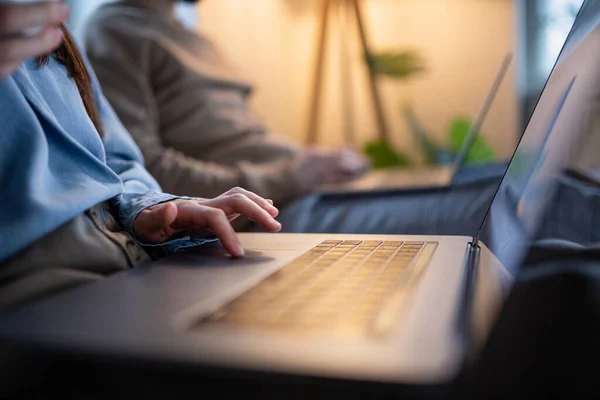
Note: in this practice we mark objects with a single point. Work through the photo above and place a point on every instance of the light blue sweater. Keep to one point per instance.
(53, 163)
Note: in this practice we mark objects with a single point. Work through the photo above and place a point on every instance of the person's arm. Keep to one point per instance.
(172, 222)
(140, 189)
(125, 82)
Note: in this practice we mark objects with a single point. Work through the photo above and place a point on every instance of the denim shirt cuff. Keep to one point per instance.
(129, 210)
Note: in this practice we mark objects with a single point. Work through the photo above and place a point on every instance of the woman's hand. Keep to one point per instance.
(16, 20)
(159, 223)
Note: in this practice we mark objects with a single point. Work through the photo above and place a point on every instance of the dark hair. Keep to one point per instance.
(69, 55)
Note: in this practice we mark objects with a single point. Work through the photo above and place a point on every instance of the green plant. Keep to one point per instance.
(433, 153)
(383, 155)
(480, 152)
(401, 65)
(398, 65)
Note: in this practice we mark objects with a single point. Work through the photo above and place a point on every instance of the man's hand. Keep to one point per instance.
(16, 20)
(159, 223)
(318, 167)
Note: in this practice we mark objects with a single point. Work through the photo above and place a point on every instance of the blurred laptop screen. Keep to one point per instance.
(545, 150)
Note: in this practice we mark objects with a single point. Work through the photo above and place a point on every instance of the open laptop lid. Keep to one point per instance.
(553, 133)
(461, 158)
(527, 188)
(585, 165)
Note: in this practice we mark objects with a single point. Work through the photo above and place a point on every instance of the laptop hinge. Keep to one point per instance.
(468, 298)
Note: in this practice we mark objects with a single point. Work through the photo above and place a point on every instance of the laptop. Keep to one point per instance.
(387, 309)
(422, 178)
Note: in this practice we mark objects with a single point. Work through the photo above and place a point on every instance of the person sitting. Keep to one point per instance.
(77, 202)
(188, 110)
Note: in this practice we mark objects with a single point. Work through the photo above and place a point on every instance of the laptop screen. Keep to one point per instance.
(558, 123)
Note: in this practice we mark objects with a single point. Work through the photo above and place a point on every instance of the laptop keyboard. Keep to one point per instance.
(351, 287)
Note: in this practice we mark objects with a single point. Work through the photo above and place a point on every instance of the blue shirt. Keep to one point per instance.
(53, 163)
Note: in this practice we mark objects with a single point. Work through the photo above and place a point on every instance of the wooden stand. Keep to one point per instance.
(315, 106)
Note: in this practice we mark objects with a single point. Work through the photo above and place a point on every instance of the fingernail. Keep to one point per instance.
(240, 251)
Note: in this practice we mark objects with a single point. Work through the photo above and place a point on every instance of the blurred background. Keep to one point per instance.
(433, 61)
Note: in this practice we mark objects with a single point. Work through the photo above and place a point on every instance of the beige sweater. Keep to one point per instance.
(185, 106)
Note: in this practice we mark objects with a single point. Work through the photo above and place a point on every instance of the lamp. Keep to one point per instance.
(352, 7)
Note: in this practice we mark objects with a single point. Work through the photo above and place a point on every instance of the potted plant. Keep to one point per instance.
(403, 66)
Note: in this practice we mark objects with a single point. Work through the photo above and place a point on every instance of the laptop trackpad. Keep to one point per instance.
(213, 255)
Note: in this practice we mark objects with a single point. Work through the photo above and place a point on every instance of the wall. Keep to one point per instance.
(464, 41)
